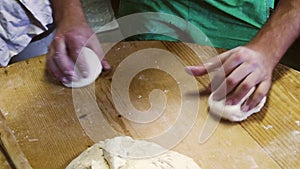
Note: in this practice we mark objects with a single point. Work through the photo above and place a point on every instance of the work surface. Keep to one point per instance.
(45, 126)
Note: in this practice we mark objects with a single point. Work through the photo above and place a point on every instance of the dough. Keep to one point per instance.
(127, 153)
(233, 112)
(95, 68)
(93, 156)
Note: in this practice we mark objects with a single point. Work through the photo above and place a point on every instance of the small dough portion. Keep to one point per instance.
(95, 68)
(123, 152)
(93, 156)
(233, 112)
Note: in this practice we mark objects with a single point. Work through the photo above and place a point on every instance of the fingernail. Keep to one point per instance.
(245, 108)
(188, 69)
(69, 73)
(106, 67)
(65, 80)
(74, 77)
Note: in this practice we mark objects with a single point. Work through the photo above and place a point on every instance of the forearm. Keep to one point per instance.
(280, 31)
(70, 10)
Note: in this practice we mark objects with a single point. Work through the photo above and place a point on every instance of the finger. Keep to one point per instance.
(215, 62)
(231, 82)
(243, 88)
(209, 65)
(196, 70)
(233, 62)
(260, 92)
(105, 65)
(96, 47)
(55, 71)
(74, 48)
(62, 60)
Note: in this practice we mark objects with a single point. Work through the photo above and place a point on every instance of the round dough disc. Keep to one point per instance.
(233, 112)
(95, 68)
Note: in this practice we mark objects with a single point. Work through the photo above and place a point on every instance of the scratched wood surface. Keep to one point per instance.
(41, 115)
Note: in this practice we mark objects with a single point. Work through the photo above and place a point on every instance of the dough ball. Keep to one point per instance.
(127, 153)
(233, 112)
(95, 68)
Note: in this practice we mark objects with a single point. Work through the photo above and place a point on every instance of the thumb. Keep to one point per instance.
(196, 70)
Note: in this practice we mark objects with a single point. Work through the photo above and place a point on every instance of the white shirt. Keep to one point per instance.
(20, 21)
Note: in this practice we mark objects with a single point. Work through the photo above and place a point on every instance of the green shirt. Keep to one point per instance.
(226, 24)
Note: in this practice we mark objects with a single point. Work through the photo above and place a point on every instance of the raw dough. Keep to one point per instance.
(93, 156)
(94, 66)
(127, 153)
(233, 112)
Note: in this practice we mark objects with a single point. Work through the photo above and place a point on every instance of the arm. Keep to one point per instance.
(72, 33)
(281, 30)
(252, 65)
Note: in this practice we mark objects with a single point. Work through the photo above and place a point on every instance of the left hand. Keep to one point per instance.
(240, 69)
(70, 37)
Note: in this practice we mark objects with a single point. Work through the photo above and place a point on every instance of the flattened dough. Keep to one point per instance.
(233, 112)
(127, 153)
(95, 68)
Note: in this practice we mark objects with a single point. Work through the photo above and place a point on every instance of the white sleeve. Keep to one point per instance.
(17, 27)
(40, 9)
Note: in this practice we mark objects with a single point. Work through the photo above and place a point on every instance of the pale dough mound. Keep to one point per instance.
(233, 112)
(127, 153)
(95, 68)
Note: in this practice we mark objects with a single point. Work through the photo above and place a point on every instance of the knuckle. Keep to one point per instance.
(253, 64)
(56, 74)
(231, 81)
(246, 86)
(220, 75)
(57, 57)
(239, 57)
(259, 95)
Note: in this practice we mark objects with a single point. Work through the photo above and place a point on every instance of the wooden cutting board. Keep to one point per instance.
(40, 127)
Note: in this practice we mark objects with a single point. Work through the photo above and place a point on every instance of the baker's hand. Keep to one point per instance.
(70, 37)
(237, 71)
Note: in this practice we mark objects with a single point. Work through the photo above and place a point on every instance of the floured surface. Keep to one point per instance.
(41, 115)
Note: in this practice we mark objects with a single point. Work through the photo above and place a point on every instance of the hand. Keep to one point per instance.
(70, 37)
(239, 70)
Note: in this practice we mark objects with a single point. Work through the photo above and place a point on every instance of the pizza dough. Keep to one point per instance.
(94, 66)
(233, 112)
(126, 153)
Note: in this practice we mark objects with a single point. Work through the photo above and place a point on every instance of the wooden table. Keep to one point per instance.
(40, 128)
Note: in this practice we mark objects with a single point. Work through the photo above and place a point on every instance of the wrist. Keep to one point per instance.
(270, 52)
(67, 11)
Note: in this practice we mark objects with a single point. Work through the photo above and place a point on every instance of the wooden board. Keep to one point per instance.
(41, 116)
(3, 162)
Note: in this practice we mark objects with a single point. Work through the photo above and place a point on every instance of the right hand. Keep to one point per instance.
(244, 67)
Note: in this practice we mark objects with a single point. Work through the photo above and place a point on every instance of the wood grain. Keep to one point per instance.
(43, 119)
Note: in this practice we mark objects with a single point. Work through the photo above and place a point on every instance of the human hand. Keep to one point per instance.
(70, 37)
(237, 71)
